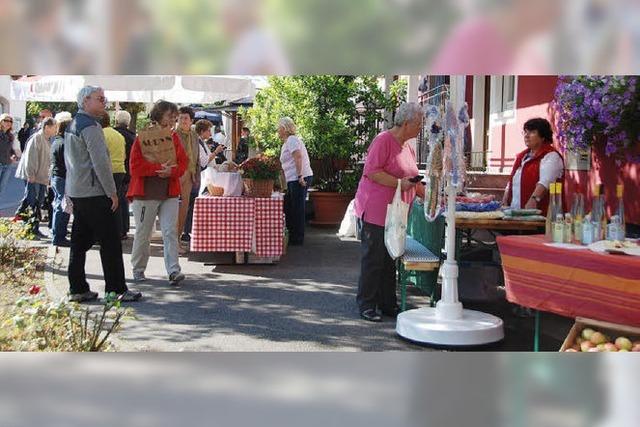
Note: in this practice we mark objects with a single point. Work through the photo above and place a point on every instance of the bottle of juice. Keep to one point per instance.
(551, 213)
(620, 213)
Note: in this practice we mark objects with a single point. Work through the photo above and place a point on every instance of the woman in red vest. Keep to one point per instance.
(534, 169)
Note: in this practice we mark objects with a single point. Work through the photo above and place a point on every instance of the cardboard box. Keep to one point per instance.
(612, 330)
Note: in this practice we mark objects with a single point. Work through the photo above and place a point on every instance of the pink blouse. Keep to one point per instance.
(385, 154)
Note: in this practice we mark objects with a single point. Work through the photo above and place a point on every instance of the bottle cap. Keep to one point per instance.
(619, 190)
(552, 188)
(596, 190)
(558, 188)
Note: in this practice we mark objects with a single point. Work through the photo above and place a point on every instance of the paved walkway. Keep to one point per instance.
(304, 303)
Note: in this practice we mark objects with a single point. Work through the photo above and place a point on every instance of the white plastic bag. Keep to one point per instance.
(67, 205)
(395, 225)
(348, 225)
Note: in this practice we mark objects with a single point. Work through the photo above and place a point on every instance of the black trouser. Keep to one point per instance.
(122, 213)
(93, 222)
(188, 224)
(377, 283)
(294, 202)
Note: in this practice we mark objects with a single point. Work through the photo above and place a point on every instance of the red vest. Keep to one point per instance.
(531, 175)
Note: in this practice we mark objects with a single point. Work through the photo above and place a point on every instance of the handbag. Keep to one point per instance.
(395, 225)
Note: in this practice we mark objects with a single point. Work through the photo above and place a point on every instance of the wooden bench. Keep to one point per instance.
(416, 258)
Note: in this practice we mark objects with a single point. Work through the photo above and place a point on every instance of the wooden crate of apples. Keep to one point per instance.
(589, 335)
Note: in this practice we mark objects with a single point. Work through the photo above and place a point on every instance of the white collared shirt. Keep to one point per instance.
(551, 167)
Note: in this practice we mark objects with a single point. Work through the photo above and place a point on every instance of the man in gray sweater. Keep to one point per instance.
(90, 186)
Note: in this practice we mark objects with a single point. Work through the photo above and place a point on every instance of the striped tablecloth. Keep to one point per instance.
(571, 282)
(238, 224)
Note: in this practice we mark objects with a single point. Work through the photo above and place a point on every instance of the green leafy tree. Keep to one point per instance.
(336, 117)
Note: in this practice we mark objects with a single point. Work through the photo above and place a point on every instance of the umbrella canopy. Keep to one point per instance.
(179, 89)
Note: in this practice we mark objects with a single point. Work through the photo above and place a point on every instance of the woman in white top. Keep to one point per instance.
(298, 174)
(534, 169)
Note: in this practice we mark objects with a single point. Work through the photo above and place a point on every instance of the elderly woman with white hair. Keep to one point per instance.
(58, 175)
(390, 159)
(298, 174)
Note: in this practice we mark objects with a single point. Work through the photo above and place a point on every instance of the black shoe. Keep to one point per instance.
(83, 297)
(64, 244)
(129, 296)
(393, 312)
(371, 315)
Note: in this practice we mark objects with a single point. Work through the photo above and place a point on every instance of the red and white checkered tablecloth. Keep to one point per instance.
(238, 224)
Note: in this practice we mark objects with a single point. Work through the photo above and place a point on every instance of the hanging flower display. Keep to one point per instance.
(588, 107)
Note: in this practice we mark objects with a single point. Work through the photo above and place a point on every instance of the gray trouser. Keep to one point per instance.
(144, 213)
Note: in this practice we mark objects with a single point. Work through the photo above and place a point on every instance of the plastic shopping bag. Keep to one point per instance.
(395, 225)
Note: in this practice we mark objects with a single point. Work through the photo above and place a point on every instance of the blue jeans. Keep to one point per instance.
(294, 210)
(33, 197)
(60, 217)
(5, 174)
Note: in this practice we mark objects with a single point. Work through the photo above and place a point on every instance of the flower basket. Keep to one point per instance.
(258, 187)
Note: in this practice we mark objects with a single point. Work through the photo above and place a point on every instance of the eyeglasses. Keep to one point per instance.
(8, 120)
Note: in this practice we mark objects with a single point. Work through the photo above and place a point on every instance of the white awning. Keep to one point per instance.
(179, 89)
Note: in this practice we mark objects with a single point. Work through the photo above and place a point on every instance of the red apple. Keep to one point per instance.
(586, 346)
(610, 347)
(571, 350)
(593, 350)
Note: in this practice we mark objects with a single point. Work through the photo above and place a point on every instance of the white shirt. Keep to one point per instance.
(551, 167)
(203, 154)
(293, 143)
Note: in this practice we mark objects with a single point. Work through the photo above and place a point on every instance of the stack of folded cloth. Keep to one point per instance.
(478, 206)
(523, 215)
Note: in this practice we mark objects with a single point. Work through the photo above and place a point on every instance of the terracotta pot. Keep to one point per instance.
(329, 208)
(258, 187)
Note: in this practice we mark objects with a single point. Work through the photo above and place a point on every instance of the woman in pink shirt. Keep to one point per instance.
(389, 159)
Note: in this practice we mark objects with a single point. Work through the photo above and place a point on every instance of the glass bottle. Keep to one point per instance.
(613, 229)
(558, 229)
(597, 213)
(587, 230)
(577, 210)
(568, 228)
(551, 213)
(622, 230)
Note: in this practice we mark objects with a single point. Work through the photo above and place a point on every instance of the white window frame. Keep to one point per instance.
(503, 108)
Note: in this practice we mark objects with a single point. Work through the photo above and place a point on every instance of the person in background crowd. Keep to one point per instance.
(389, 159)
(205, 156)
(117, 152)
(298, 174)
(155, 189)
(242, 153)
(217, 140)
(34, 170)
(91, 187)
(7, 153)
(23, 135)
(123, 121)
(60, 219)
(534, 169)
(190, 181)
(44, 113)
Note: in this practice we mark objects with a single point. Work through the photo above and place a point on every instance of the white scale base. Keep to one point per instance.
(472, 329)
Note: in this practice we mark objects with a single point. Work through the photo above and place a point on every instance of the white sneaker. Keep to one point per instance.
(138, 276)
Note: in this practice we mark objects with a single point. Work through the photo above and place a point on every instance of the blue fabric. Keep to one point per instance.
(5, 174)
(478, 207)
(60, 217)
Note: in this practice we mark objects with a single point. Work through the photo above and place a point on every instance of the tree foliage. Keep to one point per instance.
(336, 117)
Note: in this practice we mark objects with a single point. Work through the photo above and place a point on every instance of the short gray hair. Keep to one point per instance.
(123, 117)
(407, 111)
(288, 125)
(84, 93)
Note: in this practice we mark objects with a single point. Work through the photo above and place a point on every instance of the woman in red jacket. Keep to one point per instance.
(534, 169)
(154, 189)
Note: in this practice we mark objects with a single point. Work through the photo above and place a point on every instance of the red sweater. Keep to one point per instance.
(531, 175)
(140, 168)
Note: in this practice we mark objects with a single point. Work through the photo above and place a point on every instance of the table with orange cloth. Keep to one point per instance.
(571, 282)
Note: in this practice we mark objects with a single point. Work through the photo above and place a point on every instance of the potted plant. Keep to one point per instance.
(258, 175)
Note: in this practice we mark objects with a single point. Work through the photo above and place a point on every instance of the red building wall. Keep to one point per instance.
(534, 94)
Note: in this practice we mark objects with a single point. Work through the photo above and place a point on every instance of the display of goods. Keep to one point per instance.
(593, 336)
(215, 191)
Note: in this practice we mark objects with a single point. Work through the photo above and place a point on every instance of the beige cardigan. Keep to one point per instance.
(35, 160)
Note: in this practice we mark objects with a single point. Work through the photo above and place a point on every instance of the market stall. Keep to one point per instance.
(245, 226)
(571, 280)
